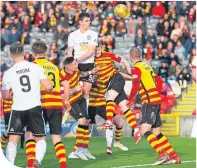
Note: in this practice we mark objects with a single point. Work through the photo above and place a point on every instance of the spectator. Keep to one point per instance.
(17, 24)
(172, 70)
(176, 30)
(26, 24)
(151, 38)
(52, 22)
(44, 26)
(25, 38)
(185, 8)
(184, 75)
(38, 18)
(180, 51)
(166, 29)
(5, 35)
(158, 10)
(174, 57)
(3, 65)
(163, 70)
(140, 40)
(170, 48)
(164, 57)
(136, 12)
(59, 35)
(121, 29)
(160, 27)
(140, 25)
(14, 36)
(190, 42)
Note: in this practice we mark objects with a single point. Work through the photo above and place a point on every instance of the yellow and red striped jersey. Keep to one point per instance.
(50, 100)
(73, 80)
(107, 69)
(146, 82)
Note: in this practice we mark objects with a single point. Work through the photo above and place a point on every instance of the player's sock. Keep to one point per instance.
(118, 134)
(40, 150)
(109, 137)
(61, 154)
(130, 118)
(153, 141)
(4, 140)
(74, 148)
(110, 108)
(85, 138)
(11, 152)
(165, 144)
(30, 152)
(79, 137)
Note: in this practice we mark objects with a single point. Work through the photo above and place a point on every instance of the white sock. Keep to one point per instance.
(40, 150)
(87, 102)
(136, 130)
(11, 152)
(109, 137)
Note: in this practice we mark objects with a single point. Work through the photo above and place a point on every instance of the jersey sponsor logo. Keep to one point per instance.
(134, 76)
(21, 71)
(49, 68)
(88, 37)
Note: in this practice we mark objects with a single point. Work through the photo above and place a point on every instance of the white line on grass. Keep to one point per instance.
(143, 165)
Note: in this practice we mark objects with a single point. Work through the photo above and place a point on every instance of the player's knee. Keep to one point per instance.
(39, 138)
(123, 106)
(82, 121)
(117, 122)
(86, 93)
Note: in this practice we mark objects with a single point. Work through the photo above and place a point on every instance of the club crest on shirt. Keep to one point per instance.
(88, 37)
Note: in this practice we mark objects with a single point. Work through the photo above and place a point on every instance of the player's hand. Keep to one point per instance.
(67, 105)
(95, 70)
(128, 103)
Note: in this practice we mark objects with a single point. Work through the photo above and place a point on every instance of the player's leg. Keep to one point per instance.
(118, 133)
(86, 90)
(54, 120)
(174, 158)
(15, 130)
(149, 116)
(36, 125)
(121, 100)
(5, 137)
(22, 140)
(83, 107)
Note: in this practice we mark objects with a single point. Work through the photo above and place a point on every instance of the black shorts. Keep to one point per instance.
(151, 115)
(117, 83)
(54, 118)
(32, 118)
(93, 111)
(6, 119)
(85, 68)
(79, 109)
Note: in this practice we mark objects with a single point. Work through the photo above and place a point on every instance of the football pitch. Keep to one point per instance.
(140, 155)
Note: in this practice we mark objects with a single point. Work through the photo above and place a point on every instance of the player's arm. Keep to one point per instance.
(121, 60)
(91, 50)
(66, 96)
(70, 46)
(6, 91)
(126, 76)
(86, 73)
(45, 81)
(136, 78)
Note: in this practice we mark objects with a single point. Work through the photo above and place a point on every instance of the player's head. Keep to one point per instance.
(98, 50)
(39, 49)
(16, 50)
(135, 54)
(70, 64)
(84, 21)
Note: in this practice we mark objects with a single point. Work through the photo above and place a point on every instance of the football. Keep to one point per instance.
(120, 10)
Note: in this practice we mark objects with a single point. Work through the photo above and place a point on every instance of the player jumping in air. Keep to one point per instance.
(115, 81)
(149, 86)
(82, 43)
(51, 105)
(23, 81)
(75, 103)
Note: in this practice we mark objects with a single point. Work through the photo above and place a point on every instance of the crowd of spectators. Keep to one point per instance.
(172, 42)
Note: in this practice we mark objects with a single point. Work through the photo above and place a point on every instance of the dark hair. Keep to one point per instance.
(16, 49)
(39, 47)
(83, 15)
(68, 60)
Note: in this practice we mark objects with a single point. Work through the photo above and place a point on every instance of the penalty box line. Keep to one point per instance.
(143, 165)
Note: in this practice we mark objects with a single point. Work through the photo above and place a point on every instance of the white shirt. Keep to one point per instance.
(24, 80)
(80, 41)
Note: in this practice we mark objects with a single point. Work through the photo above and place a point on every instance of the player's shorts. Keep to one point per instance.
(151, 115)
(85, 68)
(6, 119)
(54, 118)
(117, 83)
(93, 111)
(79, 109)
(32, 118)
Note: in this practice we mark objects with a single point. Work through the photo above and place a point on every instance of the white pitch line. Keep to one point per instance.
(143, 165)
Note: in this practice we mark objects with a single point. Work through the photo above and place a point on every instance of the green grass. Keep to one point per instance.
(137, 154)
